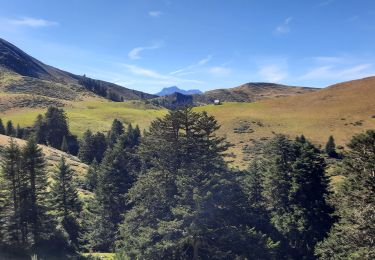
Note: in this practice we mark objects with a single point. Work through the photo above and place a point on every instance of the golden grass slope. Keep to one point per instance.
(53, 156)
(341, 110)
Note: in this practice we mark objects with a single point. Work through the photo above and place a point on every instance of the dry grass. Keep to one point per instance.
(341, 110)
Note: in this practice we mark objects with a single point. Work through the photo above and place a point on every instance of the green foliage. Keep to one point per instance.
(2, 128)
(56, 126)
(187, 204)
(10, 131)
(92, 147)
(64, 145)
(117, 129)
(330, 148)
(353, 236)
(65, 202)
(295, 190)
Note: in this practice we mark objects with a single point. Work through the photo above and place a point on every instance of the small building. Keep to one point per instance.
(217, 102)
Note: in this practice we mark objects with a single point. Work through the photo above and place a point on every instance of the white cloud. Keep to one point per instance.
(158, 77)
(155, 13)
(272, 73)
(134, 54)
(325, 3)
(31, 22)
(190, 69)
(284, 28)
(334, 73)
(220, 71)
(144, 72)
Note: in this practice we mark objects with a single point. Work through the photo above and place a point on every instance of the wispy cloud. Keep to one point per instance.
(272, 73)
(325, 3)
(155, 14)
(165, 79)
(134, 54)
(339, 74)
(190, 69)
(31, 22)
(284, 28)
(220, 71)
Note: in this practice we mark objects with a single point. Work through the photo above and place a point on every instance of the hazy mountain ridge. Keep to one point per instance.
(174, 89)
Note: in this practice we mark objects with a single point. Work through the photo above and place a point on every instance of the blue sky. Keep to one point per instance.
(205, 44)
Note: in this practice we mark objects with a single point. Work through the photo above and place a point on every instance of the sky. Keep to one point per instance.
(205, 44)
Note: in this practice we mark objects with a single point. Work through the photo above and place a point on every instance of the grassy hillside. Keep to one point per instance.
(96, 115)
(340, 110)
(53, 156)
(250, 92)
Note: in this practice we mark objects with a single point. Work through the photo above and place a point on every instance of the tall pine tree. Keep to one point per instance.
(353, 237)
(64, 198)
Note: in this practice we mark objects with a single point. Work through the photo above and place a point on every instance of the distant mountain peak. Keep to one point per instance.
(174, 89)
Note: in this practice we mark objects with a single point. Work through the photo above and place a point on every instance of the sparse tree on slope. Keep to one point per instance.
(331, 147)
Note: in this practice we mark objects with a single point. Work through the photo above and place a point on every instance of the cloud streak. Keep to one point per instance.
(190, 69)
(31, 22)
(151, 74)
(284, 28)
(155, 14)
(134, 54)
(272, 73)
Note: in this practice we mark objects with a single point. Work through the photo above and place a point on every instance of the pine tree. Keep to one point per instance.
(33, 167)
(64, 198)
(10, 131)
(187, 204)
(2, 128)
(114, 178)
(117, 129)
(295, 190)
(56, 126)
(353, 236)
(331, 147)
(100, 146)
(40, 130)
(12, 186)
(64, 145)
(91, 178)
(86, 148)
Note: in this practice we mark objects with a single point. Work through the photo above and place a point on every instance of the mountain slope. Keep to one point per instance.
(250, 92)
(341, 110)
(174, 89)
(21, 73)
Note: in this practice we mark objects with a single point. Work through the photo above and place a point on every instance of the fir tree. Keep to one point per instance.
(86, 148)
(64, 198)
(12, 186)
(33, 167)
(56, 126)
(117, 129)
(330, 148)
(10, 131)
(2, 128)
(353, 236)
(40, 130)
(295, 190)
(64, 145)
(187, 204)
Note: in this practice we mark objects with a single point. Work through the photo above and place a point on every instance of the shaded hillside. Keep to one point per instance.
(341, 110)
(173, 101)
(250, 92)
(21, 73)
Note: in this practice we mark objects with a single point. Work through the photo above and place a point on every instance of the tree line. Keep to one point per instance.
(169, 193)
